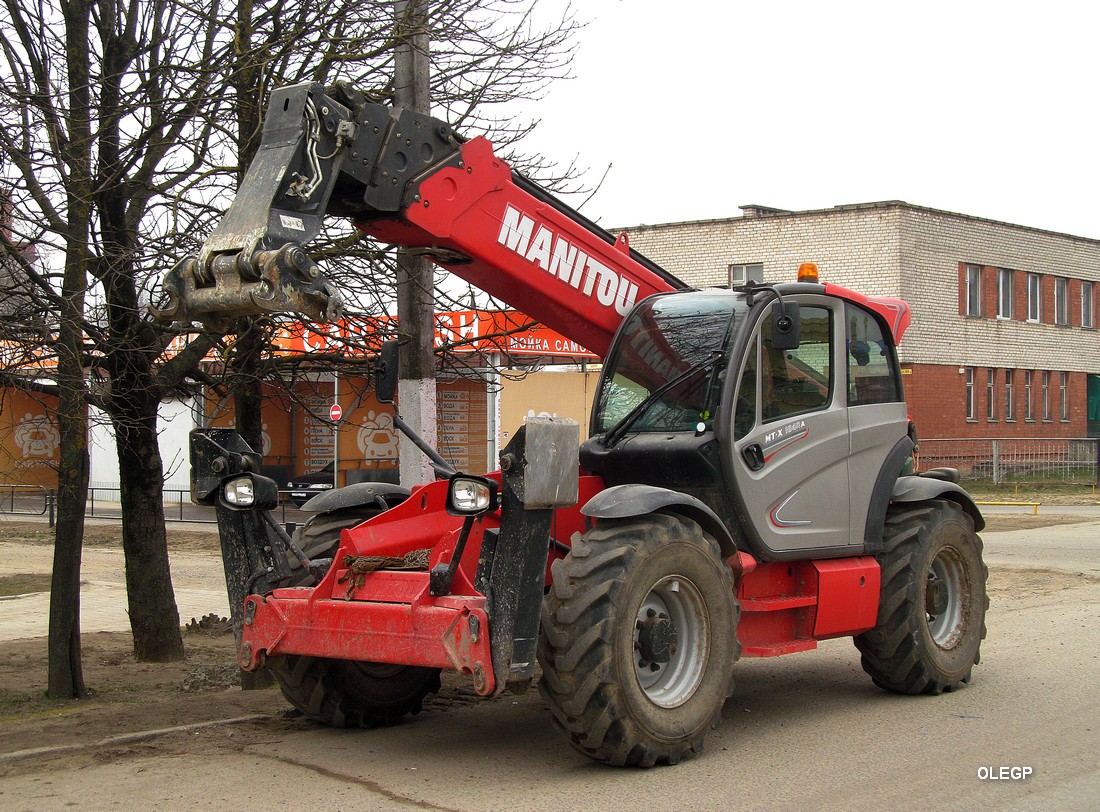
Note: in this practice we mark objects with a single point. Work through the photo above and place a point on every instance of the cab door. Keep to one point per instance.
(791, 436)
(877, 416)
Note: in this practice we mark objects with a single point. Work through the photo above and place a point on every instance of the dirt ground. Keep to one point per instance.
(126, 696)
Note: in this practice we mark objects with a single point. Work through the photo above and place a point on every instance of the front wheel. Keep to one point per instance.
(346, 693)
(931, 617)
(638, 640)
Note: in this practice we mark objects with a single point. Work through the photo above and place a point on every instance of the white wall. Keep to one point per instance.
(175, 423)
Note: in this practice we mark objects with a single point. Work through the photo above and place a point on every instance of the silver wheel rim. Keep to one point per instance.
(945, 602)
(677, 603)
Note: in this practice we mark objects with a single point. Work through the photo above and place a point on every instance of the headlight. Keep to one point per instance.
(471, 495)
(250, 492)
(239, 492)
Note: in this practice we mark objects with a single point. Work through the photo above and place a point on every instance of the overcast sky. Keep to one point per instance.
(989, 109)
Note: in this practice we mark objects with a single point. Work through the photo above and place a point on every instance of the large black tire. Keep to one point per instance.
(320, 536)
(931, 617)
(346, 693)
(638, 640)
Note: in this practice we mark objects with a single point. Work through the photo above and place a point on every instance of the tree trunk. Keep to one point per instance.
(154, 618)
(66, 675)
(65, 672)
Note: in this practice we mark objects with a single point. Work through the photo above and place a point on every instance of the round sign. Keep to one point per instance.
(335, 412)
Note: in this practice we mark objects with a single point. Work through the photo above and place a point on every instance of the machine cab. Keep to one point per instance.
(793, 447)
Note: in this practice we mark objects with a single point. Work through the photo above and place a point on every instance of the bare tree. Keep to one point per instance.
(124, 125)
(99, 108)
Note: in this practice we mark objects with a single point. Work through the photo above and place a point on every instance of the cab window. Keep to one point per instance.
(797, 381)
(872, 373)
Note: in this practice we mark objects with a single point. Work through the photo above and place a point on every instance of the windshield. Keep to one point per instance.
(663, 339)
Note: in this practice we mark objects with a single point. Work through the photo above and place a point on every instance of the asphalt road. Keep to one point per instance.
(808, 731)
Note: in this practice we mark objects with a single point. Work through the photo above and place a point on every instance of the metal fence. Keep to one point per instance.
(1054, 461)
(25, 500)
(105, 503)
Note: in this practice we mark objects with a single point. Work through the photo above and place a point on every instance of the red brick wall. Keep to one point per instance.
(1046, 285)
(936, 396)
(989, 291)
(1019, 296)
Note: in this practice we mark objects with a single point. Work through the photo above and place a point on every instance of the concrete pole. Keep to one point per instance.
(416, 392)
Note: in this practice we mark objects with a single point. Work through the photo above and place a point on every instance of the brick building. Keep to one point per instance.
(1004, 341)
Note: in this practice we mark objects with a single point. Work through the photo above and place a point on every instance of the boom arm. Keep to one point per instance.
(408, 180)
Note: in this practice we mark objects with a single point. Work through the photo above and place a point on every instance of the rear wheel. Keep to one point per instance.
(346, 693)
(931, 618)
(639, 640)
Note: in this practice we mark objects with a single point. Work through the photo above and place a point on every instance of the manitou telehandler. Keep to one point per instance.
(743, 491)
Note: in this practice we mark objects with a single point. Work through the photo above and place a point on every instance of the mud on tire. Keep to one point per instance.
(931, 618)
(638, 640)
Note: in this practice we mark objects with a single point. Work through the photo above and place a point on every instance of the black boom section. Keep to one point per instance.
(539, 472)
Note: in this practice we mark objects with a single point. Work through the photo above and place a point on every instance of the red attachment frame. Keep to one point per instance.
(390, 616)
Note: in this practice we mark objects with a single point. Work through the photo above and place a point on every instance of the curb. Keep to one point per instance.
(126, 738)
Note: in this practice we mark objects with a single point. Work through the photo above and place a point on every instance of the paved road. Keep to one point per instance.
(805, 731)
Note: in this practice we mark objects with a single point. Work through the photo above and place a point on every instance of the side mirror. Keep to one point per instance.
(786, 326)
(385, 372)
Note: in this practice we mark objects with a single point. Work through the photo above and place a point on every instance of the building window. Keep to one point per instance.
(973, 290)
(1029, 409)
(1010, 395)
(1061, 301)
(1045, 394)
(971, 410)
(1034, 297)
(1063, 395)
(1004, 294)
(991, 394)
(1086, 305)
(742, 274)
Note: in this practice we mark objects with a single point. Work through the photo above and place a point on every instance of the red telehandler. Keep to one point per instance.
(745, 489)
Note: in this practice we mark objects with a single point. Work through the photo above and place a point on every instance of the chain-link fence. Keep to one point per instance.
(1061, 461)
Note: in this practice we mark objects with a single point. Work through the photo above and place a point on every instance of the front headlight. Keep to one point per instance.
(239, 492)
(250, 492)
(471, 495)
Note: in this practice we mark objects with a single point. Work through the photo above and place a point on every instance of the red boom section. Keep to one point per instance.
(522, 249)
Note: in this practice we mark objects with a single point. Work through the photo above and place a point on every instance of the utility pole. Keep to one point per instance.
(416, 393)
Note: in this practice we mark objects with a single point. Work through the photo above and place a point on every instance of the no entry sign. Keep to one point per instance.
(335, 412)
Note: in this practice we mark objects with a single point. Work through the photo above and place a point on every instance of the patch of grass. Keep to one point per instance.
(24, 582)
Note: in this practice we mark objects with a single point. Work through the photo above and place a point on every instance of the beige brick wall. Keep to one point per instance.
(894, 249)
